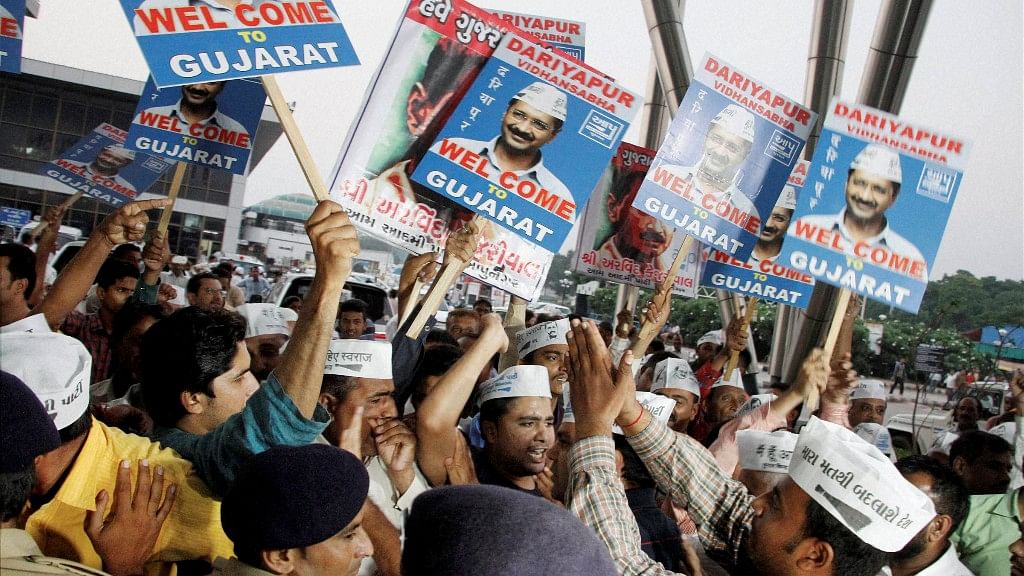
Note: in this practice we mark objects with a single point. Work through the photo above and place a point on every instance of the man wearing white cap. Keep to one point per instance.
(674, 378)
(709, 344)
(56, 368)
(868, 402)
(872, 186)
(177, 275)
(842, 508)
(773, 229)
(516, 419)
(544, 345)
(727, 145)
(266, 332)
(534, 117)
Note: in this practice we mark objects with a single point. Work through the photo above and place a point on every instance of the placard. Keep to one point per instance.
(211, 124)
(761, 276)
(12, 26)
(567, 35)
(188, 42)
(726, 158)
(103, 168)
(879, 194)
(620, 243)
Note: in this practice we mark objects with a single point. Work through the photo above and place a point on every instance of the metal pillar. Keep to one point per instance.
(894, 46)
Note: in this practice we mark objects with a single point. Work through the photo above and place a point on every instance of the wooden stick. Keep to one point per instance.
(734, 355)
(291, 130)
(165, 217)
(811, 401)
(647, 331)
(63, 207)
(445, 279)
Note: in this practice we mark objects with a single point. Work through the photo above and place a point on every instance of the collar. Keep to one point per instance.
(79, 487)
(213, 118)
(532, 171)
(883, 237)
(16, 543)
(1007, 506)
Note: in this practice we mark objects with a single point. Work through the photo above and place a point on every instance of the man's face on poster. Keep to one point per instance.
(868, 195)
(638, 234)
(775, 227)
(724, 151)
(112, 159)
(201, 94)
(525, 129)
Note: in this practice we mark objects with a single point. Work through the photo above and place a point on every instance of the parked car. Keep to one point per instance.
(374, 294)
(64, 235)
(550, 308)
(242, 261)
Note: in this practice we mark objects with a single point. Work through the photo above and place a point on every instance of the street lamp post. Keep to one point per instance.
(1000, 342)
(565, 283)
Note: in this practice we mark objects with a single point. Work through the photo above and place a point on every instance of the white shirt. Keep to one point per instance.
(538, 173)
(394, 505)
(887, 237)
(947, 565)
(735, 196)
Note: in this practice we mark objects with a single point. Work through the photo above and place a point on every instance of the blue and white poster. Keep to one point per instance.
(876, 204)
(12, 26)
(529, 141)
(212, 123)
(726, 158)
(186, 42)
(761, 276)
(101, 166)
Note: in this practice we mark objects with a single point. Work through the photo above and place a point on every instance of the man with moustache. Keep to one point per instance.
(198, 105)
(637, 236)
(773, 230)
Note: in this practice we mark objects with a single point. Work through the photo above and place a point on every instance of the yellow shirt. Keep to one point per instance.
(192, 530)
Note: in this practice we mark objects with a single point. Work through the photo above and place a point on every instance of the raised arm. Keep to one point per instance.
(127, 224)
(47, 240)
(515, 320)
(438, 415)
(417, 271)
(335, 243)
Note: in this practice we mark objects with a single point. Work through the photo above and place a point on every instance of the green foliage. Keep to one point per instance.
(901, 339)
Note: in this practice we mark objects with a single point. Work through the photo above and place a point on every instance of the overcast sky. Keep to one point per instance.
(967, 82)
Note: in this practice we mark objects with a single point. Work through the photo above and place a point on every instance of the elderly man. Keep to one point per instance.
(197, 381)
(810, 523)
(868, 402)
(674, 378)
(463, 322)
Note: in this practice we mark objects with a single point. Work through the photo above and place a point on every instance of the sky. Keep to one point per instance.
(967, 82)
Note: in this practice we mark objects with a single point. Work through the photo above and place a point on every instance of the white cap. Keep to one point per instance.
(878, 436)
(659, 406)
(880, 161)
(541, 335)
(737, 120)
(263, 319)
(868, 388)
(675, 373)
(1006, 431)
(754, 402)
(545, 98)
(179, 260)
(787, 199)
(359, 358)
(765, 451)
(716, 337)
(568, 415)
(56, 367)
(121, 151)
(288, 315)
(517, 382)
(735, 380)
(858, 486)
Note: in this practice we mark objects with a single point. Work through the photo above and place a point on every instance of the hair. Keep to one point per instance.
(123, 249)
(441, 358)
(483, 301)
(545, 317)
(656, 346)
(633, 468)
(199, 345)
(464, 313)
(338, 386)
(852, 556)
(950, 494)
(529, 315)
(493, 410)
(26, 238)
(131, 314)
(975, 443)
(196, 281)
(437, 337)
(625, 184)
(221, 272)
(113, 270)
(354, 305)
(21, 264)
(291, 300)
(76, 429)
(657, 357)
(15, 489)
